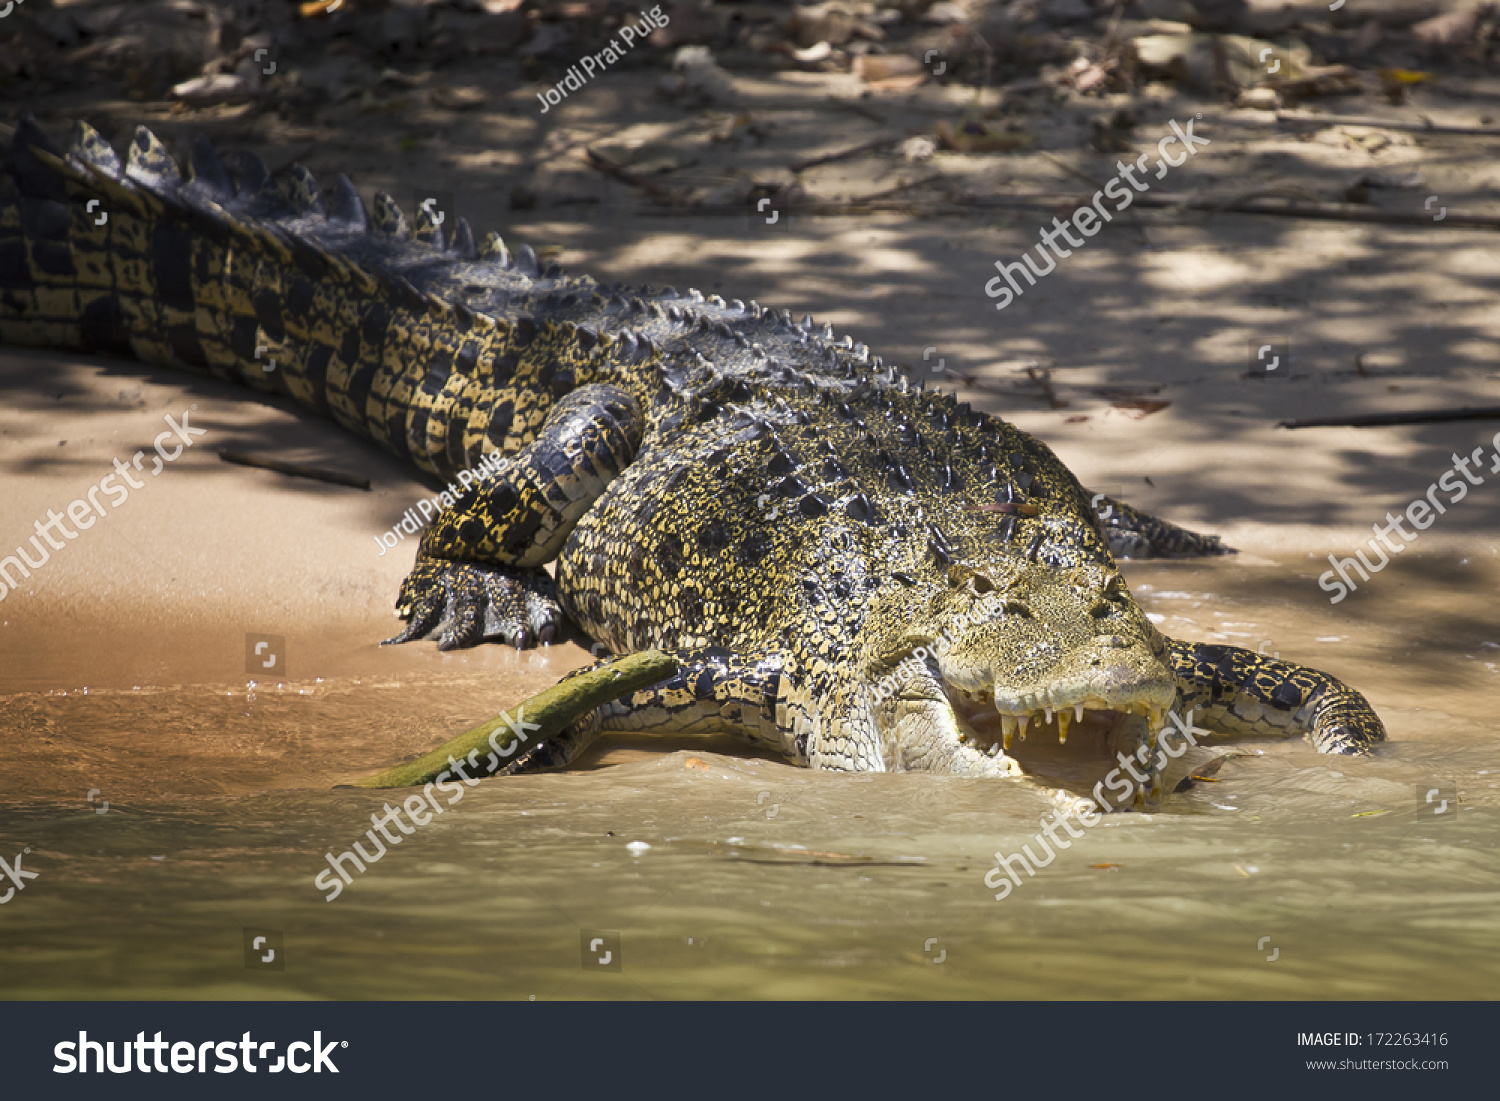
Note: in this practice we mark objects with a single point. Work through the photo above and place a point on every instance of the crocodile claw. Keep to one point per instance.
(464, 604)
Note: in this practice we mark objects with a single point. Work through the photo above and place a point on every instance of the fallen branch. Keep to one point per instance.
(1387, 124)
(1265, 202)
(603, 164)
(1256, 203)
(1043, 378)
(852, 151)
(861, 109)
(1070, 170)
(1333, 212)
(537, 719)
(1377, 420)
(296, 470)
(897, 189)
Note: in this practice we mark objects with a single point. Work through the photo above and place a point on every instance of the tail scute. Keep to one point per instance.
(149, 163)
(34, 179)
(89, 147)
(210, 174)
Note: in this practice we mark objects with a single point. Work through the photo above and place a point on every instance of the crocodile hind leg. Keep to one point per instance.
(713, 691)
(1136, 534)
(478, 571)
(1240, 692)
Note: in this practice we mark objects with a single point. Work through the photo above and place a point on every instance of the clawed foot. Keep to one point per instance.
(465, 604)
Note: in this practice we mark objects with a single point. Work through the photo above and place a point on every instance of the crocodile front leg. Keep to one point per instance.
(478, 571)
(1240, 692)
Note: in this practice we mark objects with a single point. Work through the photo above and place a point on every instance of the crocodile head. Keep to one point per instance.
(1009, 650)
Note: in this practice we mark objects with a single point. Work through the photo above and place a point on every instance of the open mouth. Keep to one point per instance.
(1090, 717)
(1072, 744)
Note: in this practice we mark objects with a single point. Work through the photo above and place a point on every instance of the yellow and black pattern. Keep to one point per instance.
(1135, 534)
(1240, 692)
(478, 565)
(785, 512)
(714, 691)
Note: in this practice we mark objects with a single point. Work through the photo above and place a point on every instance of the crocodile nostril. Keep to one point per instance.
(982, 584)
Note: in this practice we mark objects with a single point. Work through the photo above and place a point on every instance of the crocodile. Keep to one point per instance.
(851, 569)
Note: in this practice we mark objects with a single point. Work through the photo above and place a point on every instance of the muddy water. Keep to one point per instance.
(1285, 875)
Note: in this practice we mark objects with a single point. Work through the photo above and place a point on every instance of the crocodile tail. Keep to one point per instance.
(250, 276)
(135, 259)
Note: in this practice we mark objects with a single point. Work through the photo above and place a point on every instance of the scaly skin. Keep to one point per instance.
(790, 517)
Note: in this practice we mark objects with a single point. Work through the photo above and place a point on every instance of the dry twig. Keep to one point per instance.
(1387, 124)
(1379, 420)
(296, 470)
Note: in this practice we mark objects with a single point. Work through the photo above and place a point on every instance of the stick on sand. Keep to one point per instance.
(296, 470)
(1376, 420)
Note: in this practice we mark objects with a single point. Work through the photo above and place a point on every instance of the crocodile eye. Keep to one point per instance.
(1100, 609)
(1015, 608)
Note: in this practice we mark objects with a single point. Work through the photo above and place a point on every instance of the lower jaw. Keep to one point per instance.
(1088, 758)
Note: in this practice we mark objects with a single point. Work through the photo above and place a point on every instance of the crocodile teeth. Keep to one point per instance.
(1078, 711)
(1062, 727)
(994, 750)
(1021, 721)
(1007, 728)
(1048, 713)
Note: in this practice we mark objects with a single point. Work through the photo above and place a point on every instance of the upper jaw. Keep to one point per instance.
(1014, 714)
(1111, 695)
(1094, 680)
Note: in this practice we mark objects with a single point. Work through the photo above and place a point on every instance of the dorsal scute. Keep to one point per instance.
(35, 179)
(463, 241)
(427, 226)
(88, 146)
(148, 161)
(345, 205)
(252, 177)
(299, 189)
(493, 249)
(386, 217)
(209, 173)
